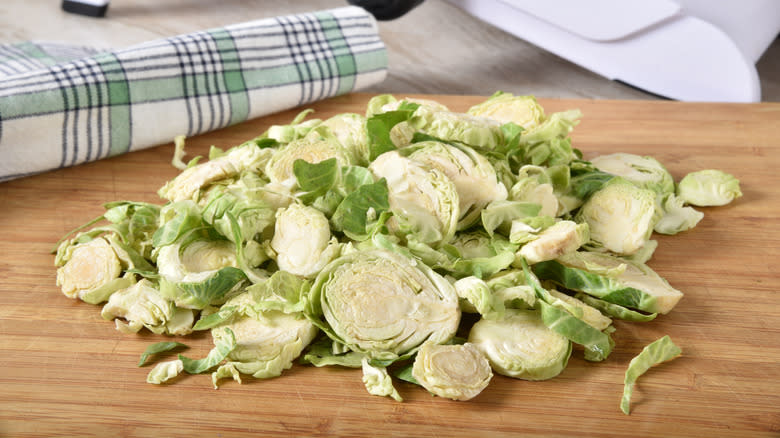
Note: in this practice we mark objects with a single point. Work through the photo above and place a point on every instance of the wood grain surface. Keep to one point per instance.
(66, 372)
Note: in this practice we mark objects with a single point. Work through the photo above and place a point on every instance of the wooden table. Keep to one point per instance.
(66, 372)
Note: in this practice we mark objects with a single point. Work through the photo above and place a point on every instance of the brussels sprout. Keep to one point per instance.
(478, 132)
(707, 188)
(267, 343)
(644, 171)
(142, 305)
(396, 120)
(474, 177)
(197, 273)
(525, 111)
(350, 130)
(528, 189)
(423, 200)
(617, 280)
(318, 145)
(547, 143)
(383, 304)
(528, 229)
(675, 217)
(457, 372)
(90, 270)
(561, 238)
(302, 240)
(189, 183)
(477, 297)
(620, 216)
(470, 253)
(519, 345)
(378, 381)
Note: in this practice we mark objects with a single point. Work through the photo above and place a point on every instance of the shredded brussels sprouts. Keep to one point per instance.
(361, 240)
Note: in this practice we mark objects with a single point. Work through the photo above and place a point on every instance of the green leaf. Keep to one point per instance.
(615, 310)
(597, 344)
(315, 178)
(186, 218)
(215, 356)
(160, 347)
(215, 287)
(655, 353)
(216, 318)
(378, 127)
(360, 209)
(405, 373)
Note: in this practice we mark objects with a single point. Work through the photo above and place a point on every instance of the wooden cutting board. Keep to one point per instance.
(66, 372)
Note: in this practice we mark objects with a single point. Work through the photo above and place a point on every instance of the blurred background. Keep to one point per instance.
(436, 48)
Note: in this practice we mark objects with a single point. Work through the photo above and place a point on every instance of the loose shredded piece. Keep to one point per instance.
(654, 353)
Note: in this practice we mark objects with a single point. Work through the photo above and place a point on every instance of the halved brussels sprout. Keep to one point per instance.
(302, 240)
(612, 279)
(525, 111)
(475, 131)
(424, 201)
(142, 305)
(383, 304)
(519, 345)
(90, 268)
(644, 171)
(474, 177)
(188, 184)
(457, 372)
(675, 217)
(620, 216)
(195, 273)
(267, 342)
(318, 145)
(350, 131)
(561, 238)
(707, 188)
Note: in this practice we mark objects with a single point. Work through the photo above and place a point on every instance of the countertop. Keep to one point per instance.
(436, 48)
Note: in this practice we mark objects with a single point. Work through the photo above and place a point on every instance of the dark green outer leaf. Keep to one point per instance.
(606, 288)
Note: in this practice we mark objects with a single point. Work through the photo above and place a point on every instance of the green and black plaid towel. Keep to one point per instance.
(62, 105)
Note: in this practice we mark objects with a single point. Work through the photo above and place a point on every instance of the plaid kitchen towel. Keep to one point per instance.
(61, 105)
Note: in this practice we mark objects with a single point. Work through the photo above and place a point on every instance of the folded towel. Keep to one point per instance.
(62, 105)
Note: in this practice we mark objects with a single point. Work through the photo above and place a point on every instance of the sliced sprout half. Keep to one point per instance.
(383, 304)
(89, 267)
(617, 280)
(457, 372)
(561, 238)
(189, 183)
(317, 146)
(302, 240)
(525, 111)
(707, 188)
(424, 201)
(474, 177)
(267, 343)
(141, 305)
(644, 171)
(519, 345)
(620, 216)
